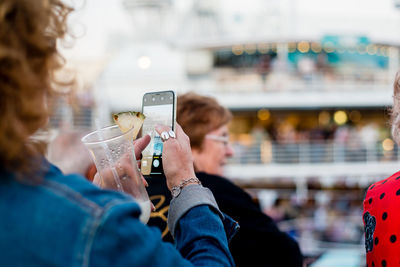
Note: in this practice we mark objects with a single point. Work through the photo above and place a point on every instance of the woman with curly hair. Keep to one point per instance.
(48, 218)
(381, 217)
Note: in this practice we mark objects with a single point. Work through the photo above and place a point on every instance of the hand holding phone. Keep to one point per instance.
(178, 160)
(159, 109)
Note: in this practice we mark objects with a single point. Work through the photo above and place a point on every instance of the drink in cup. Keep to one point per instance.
(114, 156)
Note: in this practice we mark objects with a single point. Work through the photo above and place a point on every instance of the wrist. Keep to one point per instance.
(176, 190)
(178, 177)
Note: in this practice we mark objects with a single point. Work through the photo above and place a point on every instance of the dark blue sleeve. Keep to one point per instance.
(118, 238)
(200, 237)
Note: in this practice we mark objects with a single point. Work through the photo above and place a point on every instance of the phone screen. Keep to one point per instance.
(159, 108)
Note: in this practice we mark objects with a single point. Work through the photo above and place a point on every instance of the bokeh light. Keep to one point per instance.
(263, 114)
(250, 49)
(263, 48)
(388, 144)
(329, 47)
(144, 62)
(316, 47)
(355, 116)
(237, 50)
(303, 47)
(340, 117)
(324, 118)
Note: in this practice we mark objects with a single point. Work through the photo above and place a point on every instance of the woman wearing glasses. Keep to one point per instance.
(207, 124)
(258, 242)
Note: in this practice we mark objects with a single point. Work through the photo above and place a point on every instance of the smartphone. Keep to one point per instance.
(159, 108)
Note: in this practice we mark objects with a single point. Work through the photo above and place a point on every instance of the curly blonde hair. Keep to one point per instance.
(395, 110)
(29, 30)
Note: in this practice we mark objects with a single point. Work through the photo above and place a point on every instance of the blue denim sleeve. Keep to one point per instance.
(201, 238)
(120, 239)
(191, 196)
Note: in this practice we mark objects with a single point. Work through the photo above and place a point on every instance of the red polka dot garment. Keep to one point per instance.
(381, 218)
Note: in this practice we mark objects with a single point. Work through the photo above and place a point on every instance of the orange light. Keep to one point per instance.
(388, 144)
(237, 50)
(303, 47)
(316, 47)
(355, 116)
(263, 114)
(263, 48)
(324, 118)
(250, 49)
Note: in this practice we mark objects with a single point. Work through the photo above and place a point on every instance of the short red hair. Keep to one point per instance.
(198, 115)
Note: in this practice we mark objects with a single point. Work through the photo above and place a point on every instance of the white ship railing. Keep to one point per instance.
(313, 152)
(328, 162)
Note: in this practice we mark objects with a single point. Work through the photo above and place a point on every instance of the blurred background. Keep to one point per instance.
(309, 83)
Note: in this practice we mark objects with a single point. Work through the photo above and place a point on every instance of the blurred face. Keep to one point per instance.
(214, 153)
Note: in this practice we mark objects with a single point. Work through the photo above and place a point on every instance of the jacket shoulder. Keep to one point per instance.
(76, 189)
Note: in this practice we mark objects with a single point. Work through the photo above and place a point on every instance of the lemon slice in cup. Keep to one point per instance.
(128, 119)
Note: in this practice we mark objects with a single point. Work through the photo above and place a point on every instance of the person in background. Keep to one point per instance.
(259, 242)
(380, 216)
(52, 219)
(69, 154)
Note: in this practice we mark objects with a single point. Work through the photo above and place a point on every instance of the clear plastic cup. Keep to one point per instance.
(114, 156)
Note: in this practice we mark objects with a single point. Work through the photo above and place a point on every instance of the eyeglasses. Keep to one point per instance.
(218, 138)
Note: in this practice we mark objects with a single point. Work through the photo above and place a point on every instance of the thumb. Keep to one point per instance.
(140, 144)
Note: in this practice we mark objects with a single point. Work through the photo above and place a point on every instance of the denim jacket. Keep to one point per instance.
(64, 220)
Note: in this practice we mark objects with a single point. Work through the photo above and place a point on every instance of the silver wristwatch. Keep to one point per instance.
(176, 190)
